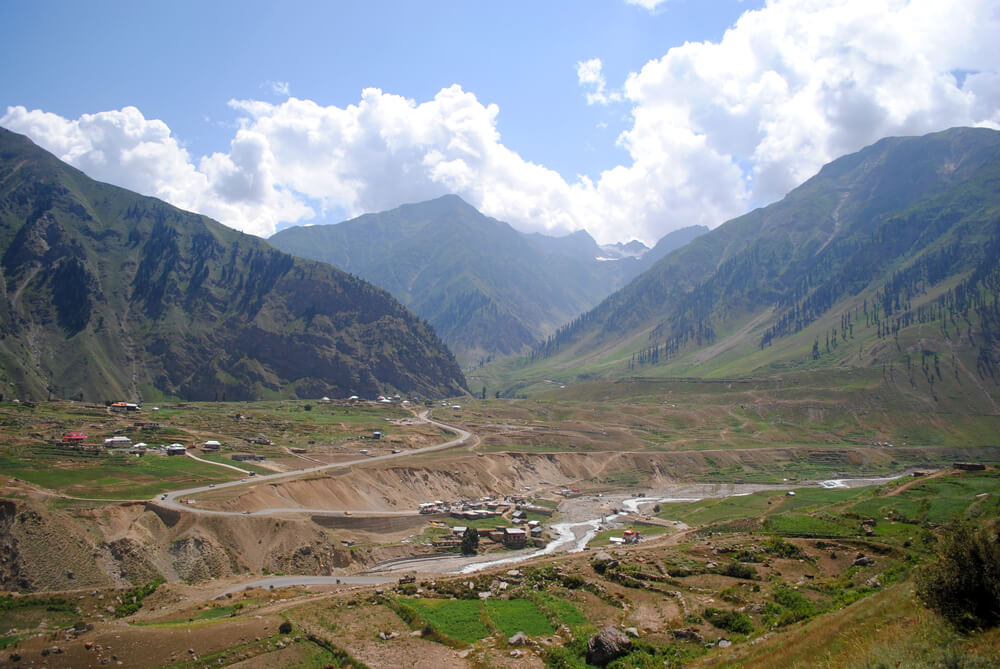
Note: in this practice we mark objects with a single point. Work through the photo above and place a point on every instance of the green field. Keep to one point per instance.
(468, 620)
(461, 619)
(837, 512)
(116, 477)
(511, 616)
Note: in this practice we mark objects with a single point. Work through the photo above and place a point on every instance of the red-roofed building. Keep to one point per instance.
(74, 438)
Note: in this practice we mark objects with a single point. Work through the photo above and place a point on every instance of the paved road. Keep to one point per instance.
(171, 499)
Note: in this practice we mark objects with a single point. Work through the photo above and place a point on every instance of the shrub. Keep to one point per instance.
(963, 586)
(132, 599)
(737, 570)
(285, 628)
(781, 548)
(731, 621)
(796, 605)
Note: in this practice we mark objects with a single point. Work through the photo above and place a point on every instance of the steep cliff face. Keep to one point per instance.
(104, 293)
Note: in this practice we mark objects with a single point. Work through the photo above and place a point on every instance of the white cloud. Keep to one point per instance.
(281, 88)
(714, 128)
(799, 83)
(647, 4)
(589, 73)
(124, 148)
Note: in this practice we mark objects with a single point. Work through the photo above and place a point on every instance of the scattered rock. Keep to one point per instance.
(874, 582)
(725, 643)
(416, 634)
(711, 565)
(607, 645)
(518, 639)
(632, 632)
(515, 653)
(687, 635)
(863, 560)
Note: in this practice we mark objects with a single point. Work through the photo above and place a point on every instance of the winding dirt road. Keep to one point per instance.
(171, 499)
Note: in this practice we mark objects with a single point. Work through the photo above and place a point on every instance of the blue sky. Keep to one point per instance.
(183, 61)
(622, 119)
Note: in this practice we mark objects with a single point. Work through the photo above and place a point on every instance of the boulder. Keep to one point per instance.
(608, 644)
(518, 639)
(863, 561)
(687, 635)
(602, 562)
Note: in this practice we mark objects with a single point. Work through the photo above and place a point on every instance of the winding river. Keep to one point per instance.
(570, 536)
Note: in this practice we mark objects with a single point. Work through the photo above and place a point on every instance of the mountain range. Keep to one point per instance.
(900, 237)
(107, 294)
(486, 288)
(886, 254)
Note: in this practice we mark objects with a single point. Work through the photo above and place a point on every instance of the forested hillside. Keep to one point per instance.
(903, 233)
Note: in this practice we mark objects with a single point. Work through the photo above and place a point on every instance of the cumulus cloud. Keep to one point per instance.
(801, 82)
(124, 148)
(715, 128)
(589, 73)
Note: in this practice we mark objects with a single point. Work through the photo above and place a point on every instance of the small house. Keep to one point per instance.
(211, 445)
(376, 434)
(117, 442)
(514, 537)
(176, 449)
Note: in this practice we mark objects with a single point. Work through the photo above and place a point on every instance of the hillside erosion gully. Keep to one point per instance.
(171, 500)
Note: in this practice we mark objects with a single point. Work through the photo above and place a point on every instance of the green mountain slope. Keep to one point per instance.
(108, 294)
(876, 248)
(486, 288)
